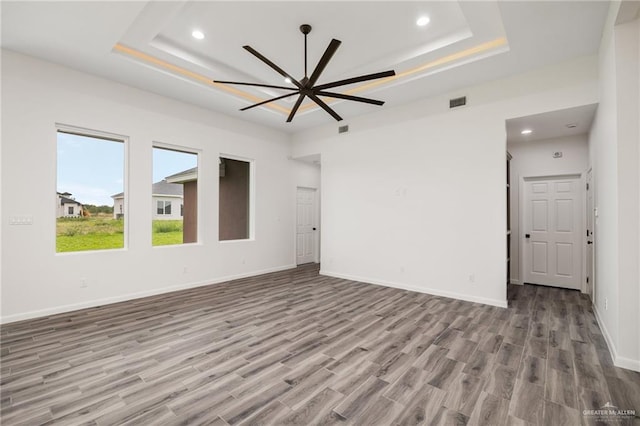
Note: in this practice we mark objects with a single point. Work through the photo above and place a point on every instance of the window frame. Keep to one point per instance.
(165, 204)
(97, 134)
(187, 150)
(252, 197)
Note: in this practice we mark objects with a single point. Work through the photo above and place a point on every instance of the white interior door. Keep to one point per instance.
(590, 279)
(305, 226)
(552, 232)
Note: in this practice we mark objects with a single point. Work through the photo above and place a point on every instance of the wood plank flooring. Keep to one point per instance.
(296, 348)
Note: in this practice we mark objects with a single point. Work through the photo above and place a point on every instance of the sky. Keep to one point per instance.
(92, 169)
(167, 162)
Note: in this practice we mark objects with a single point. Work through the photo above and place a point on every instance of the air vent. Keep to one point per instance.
(343, 129)
(457, 102)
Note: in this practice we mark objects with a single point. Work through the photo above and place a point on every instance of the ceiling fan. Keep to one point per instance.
(306, 86)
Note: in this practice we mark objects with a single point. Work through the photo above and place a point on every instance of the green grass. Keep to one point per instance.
(103, 233)
(167, 232)
(167, 238)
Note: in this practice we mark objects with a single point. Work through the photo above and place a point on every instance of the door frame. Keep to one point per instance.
(592, 275)
(316, 220)
(580, 176)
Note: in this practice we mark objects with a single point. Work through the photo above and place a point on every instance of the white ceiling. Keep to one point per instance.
(149, 45)
(552, 124)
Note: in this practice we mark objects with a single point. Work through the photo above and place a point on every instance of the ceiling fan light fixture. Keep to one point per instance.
(197, 34)
(287, 80)
(306, 87)
(423, 21)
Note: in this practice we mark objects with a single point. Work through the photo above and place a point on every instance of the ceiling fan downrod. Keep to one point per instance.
(305, 29)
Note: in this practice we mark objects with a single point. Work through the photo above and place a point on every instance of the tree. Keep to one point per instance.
(94, 210)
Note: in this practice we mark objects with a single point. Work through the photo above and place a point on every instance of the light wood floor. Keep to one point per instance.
(295, 348)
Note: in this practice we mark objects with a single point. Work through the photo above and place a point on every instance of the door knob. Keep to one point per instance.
(527, 235)
(589, 242)
(314, 229)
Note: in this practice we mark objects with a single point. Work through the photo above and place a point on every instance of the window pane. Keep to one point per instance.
(175, 177)
(90, 183)
(234, 199)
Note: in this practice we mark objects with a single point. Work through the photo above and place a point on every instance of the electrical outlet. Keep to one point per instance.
(84, 283)
(185, 270)
(472, 278)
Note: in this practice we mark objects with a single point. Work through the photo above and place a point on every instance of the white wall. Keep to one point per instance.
(413, 196)
(614, 152)
(38, 94)
(118, 207)
(535, 158)
(627, 39)
(64, 209)
(176, 202)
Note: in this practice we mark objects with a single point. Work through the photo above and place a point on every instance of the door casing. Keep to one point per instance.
(313, 257)
(522, 225)
(590, 225)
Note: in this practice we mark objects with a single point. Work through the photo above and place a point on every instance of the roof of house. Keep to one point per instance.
(66, 199)
(184, 176)
(165, 188)
(161, 188)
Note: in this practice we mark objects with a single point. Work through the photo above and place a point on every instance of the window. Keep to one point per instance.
(90, 183)
(175, 180)
(234, 199)
(164, 208)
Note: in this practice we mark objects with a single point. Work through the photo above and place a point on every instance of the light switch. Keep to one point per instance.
(21, 220)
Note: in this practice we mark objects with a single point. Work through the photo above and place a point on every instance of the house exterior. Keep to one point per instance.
(167, 201)
(188, 180)
(67, 206)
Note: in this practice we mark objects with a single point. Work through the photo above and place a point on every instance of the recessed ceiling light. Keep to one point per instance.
(572, 125)
(526, 131)
(423, 21)
(197, 34)
(287, 80)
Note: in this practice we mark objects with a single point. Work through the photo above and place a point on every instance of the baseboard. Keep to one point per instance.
(517, 282)
(131, 296)
(618, 361)
(628, 363)
(431, 291)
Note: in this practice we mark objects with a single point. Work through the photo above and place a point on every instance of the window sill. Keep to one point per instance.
(237, 241)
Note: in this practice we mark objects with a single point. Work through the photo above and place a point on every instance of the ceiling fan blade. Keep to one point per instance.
(356, 80)
(272, 65)
(295, 108)
(256, 84)
(325, 107)
(326, 57)
(350, 97)
(267, 101)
